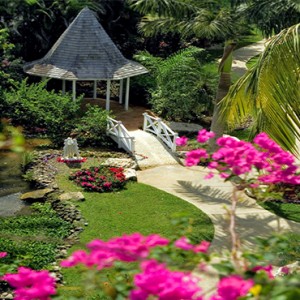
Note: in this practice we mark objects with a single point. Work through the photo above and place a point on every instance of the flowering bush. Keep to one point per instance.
(100, 179)
(30, 284)
(163, 267)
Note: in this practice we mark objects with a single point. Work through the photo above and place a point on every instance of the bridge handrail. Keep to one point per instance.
(161, 130)
(118, 132)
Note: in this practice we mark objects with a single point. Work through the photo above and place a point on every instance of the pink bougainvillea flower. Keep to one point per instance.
(209, 175)
(31, 285)
(268, 269)
(184, 244)
(285, 270)
(204, 135)
(232, 288)
(202, 247)
(194, 156)
(126, 248)
(156, 280)
(181, 141)
(3, 254)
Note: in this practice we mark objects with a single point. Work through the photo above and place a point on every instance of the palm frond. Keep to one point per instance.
(153, 25)
(163, 8)
(270, 91)
(209, 24)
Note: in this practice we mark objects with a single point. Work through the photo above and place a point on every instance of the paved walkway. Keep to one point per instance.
(242, 55)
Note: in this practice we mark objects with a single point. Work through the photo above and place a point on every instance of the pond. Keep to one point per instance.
(11, 183)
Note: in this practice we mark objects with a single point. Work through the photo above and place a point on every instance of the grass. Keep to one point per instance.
(290, 211)
(138, 208)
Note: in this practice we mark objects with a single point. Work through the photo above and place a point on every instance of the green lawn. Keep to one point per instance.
(290, 211)
(138, 208)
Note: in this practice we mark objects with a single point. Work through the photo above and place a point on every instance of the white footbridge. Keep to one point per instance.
(153, 146)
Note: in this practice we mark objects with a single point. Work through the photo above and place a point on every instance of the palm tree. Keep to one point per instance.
(269, 92)
(206, 19)
(272, 16)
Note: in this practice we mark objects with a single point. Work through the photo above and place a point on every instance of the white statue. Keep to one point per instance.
(71, 150)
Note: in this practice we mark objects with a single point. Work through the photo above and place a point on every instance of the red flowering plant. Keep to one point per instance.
(100, 179)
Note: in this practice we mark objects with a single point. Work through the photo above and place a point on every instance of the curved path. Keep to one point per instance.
(242, 55)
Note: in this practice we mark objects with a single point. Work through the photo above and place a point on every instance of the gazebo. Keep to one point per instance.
(84, 52)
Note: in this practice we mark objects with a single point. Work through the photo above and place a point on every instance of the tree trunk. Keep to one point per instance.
(217, 124)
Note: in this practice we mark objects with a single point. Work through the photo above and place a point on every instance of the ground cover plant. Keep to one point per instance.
(32, 239)
(100, 179)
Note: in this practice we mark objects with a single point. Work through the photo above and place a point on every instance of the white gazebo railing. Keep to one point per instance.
(117, 131)
(161, 130)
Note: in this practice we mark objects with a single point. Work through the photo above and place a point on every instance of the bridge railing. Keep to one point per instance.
(161, 130)
(117, 131)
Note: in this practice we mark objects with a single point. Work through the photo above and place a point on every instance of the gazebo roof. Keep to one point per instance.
(84, 52)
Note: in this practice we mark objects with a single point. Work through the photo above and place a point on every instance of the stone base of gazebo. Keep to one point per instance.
(131, 118)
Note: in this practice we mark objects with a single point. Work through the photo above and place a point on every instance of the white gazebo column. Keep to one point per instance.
(121, 91)
(127, 94)
(95, 89)
(107, 95)
(74, 89)
(64, 86)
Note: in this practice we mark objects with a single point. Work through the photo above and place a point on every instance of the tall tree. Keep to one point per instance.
(206, 19)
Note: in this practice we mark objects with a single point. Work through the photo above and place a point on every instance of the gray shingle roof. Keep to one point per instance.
(84, 52)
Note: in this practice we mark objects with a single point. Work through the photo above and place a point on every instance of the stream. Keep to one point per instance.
(11, 184)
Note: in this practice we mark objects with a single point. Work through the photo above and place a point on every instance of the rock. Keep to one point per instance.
(120, 163)
(6, 296)
(36, 195)
(130, 174)
(76, 196)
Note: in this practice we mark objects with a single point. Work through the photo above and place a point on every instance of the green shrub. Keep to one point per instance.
(39, 110)
(28, 158)
(184, 84)
(91, 128)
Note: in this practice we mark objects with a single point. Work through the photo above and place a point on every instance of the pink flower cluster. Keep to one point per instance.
(3, 254)
(30, 284)
(184, 244)
(232, 288)
(156, 280)
(125, 248)
(268, 269)
(236, 157)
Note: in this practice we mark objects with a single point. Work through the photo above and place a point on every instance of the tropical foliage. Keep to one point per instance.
(183, 87)
(269, 91)
(49, 113)
(90, 129)
(272, 16)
